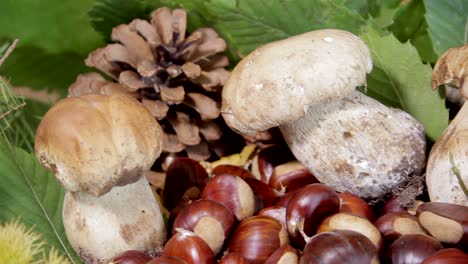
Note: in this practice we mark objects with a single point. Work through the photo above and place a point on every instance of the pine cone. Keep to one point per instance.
(177, 78)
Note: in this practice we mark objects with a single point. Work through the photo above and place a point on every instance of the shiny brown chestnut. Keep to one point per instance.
(446, 222)
(286, 254)
(284, 199)
(209, 219)
(348, 221)
(167, 260)
(350, 203)
(232, 192)
(267, 159)
(447, 256)
(290, 176)
(396, 224)
(131, 257)
(231, 170)
(411, 249)
(264, 195)
(257, 237)
(392, 206)
(176, 210)
(190, 247)
(233, 258)
(184, 177)
(339, 247)
(308, 207)
(276, 212)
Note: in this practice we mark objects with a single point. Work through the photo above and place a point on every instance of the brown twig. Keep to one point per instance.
(12, 110)
(8, 52)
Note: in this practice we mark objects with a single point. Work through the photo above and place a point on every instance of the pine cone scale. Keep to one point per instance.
(157, 108)
(147, 31)
(136, 46)
(131, 80)
(172, 96)
(204, 105)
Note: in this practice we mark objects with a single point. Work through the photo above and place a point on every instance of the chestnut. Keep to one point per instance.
(190, 247)
(283, 255)
(209, 219)
(267, 159)
(412, 249)
(308, 207)
(446, 222)
(257, 237)
(264, 195)
(233, 258)
(447, 256)
(184, 174)
(350, 203)
(167, 260)
(392, 206)
(232, 192)
(338, 247)
(396, 224)
(284, 199)
(231, 170)
(277, 212)
(290, 176)
(131, 257)
(348, 221)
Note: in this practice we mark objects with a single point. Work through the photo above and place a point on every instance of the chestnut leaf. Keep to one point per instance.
(447, 23)
(31, 194)
(400, 79)
(55, 26)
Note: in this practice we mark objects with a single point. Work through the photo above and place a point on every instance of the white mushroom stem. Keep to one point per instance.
(125, 218)
(358, 145)
(442, 182)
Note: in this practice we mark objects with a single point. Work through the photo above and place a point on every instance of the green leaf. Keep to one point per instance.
(33, 67)
(360, 6)
(410, 24)
(448, 23)
(30, 193)
(53, 25)
(383, 11)
(400, 79)
(107, 14)
(249, 24)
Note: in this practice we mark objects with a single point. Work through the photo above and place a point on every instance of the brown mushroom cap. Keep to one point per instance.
(276, 83)
(94, 142)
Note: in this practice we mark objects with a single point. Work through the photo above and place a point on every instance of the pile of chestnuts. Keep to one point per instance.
(277, 212)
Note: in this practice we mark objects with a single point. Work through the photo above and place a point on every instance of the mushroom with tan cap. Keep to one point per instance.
(99, 147)
(306, 85)
(447, 166)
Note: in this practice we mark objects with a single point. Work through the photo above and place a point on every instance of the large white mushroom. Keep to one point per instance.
(99, 148)
(306, 85)
(449, 155)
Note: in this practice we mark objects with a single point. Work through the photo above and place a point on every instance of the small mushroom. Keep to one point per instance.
(99, 148)
(447, 166)
(306, 86)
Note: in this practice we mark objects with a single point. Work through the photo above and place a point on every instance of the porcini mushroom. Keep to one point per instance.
(306, 86)
(447, 166)
(99, 147)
